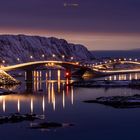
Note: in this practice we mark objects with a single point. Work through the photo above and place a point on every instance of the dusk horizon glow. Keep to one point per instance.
(97, 24)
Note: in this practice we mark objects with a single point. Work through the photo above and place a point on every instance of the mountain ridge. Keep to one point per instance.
(24, 48)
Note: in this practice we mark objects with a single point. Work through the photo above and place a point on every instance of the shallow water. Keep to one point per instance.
(64, 104)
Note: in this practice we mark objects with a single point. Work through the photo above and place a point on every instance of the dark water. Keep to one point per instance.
(60, 103)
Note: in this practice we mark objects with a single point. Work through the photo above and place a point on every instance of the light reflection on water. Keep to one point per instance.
(20, 100)
(58, 102)
(120, 77)
(46, 90)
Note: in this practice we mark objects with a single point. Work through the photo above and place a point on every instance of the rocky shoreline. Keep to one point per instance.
(49, 125)
(5, 92)
(6, 79)
(107, 83)
(118, 101)
(15, 118)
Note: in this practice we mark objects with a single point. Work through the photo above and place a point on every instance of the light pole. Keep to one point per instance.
(31, 57)
(63, 57)
(43, 56)
(18, 59)
(3, 61)
(71, 58)
(53, 56)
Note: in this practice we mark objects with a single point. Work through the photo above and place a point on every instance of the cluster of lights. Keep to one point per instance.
(115, 60)
(72, 58)
(43, 56)
(63, 57)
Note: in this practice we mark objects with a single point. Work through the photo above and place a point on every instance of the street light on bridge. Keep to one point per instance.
(53, 55)
(77, 63)
(63, 56)
(43, 55)
(71, 58)
(3, 61)
(18, 59)
(136, 59)
(31, 57)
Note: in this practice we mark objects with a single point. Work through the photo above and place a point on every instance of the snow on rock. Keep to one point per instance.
(6, 79)
(23, 46)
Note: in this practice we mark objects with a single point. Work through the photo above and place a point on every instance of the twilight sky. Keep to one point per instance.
(98, 24)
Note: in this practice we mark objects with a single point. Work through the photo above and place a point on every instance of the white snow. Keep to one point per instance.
(22, 47)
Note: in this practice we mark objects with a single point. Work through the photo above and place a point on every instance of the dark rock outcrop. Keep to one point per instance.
(118, 101)
(6, 79)
(15, 118)
(49, 125)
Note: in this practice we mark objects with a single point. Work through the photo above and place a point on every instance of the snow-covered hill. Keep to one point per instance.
(22, 48)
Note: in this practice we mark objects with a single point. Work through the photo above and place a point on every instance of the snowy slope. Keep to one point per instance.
(23, 46)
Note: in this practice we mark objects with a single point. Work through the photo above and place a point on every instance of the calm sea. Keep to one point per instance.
(50, 96)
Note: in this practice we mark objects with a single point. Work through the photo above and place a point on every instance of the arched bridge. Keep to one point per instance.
(33, 65)
(104, 67)
(96, 70)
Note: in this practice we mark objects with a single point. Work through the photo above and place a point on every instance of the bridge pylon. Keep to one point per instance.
(29, 76)
(29, 81)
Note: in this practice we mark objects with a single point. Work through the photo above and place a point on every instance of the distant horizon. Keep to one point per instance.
(96, 37)
(97, 24)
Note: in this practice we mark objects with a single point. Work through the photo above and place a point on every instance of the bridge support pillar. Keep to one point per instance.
(29, 76)
(29, 81)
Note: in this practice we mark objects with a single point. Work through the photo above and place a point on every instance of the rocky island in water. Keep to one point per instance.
(118, 101)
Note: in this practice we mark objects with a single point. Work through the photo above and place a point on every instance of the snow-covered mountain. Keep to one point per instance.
(22, 48)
